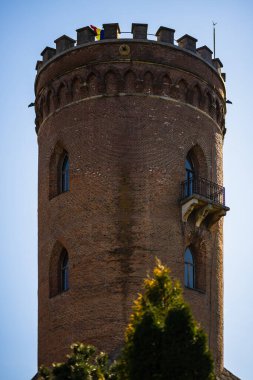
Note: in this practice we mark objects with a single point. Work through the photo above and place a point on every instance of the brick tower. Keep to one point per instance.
(130, 134)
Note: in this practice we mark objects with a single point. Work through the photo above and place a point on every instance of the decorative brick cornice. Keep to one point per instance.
(129, 80)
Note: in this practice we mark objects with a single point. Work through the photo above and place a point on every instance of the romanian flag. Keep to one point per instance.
(99, 32)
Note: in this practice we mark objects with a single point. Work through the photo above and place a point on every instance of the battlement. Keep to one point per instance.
(165, 35)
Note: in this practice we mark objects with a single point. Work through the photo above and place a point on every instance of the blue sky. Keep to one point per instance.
(26, 28)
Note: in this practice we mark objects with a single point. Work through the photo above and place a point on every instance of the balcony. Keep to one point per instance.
(204, 199)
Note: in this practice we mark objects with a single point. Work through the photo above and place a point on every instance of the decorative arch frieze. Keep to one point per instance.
(93, 82)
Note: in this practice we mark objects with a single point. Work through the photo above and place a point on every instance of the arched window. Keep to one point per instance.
(59, 179)
(189, 269)
(64, 268)
(65, 174)
(189, 176)
(58, 270)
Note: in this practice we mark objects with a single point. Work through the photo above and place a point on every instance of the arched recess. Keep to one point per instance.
(148, 80)
(92, 84)
(62, 94)
(59, 178)
(218, 111)
(76, 88)
(47, 103)
(50, 101)
(180, 90)
(44, 105)
(111, 82)
(39, 110)
(130, 82)
(209, 103)
(196, 96)
(58, 270)
(165, 85)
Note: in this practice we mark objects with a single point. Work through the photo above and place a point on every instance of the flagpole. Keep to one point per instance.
(214, 23)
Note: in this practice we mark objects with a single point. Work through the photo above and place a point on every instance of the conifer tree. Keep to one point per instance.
(163, 341)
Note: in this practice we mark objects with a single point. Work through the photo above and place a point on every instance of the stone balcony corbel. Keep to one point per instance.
(188, 208)
(215, 217)
(202, 214)
(204, 200)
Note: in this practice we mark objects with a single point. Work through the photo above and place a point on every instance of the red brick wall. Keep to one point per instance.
(127, 125)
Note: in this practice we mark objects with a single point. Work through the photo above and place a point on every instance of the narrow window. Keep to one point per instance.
(189, 270)
(189, 177)
(65, 174)
(64, 271)
(59, 179)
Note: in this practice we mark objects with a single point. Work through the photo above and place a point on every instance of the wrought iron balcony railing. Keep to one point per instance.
(204, 188)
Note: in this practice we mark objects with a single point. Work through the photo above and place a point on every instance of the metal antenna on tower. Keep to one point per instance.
(214, 23)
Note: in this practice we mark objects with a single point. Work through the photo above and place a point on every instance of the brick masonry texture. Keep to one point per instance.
(127, 123)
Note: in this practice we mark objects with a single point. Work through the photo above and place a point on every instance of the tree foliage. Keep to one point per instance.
(82, 364)
(162, 342)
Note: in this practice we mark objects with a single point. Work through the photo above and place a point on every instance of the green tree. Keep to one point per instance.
(81, 364)
(163, 341)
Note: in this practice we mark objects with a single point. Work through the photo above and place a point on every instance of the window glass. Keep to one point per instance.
(65, 174)
(189, 168)
(64, 271)
(189, 177)
(188, 165)
(189, 269)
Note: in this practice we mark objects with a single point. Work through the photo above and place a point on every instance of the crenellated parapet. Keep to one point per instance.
(165, 35)
(77, 70)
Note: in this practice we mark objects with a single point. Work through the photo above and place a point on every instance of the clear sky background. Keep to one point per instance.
(26, 28)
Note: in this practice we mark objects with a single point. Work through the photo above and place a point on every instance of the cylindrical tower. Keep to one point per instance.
(130, 135)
